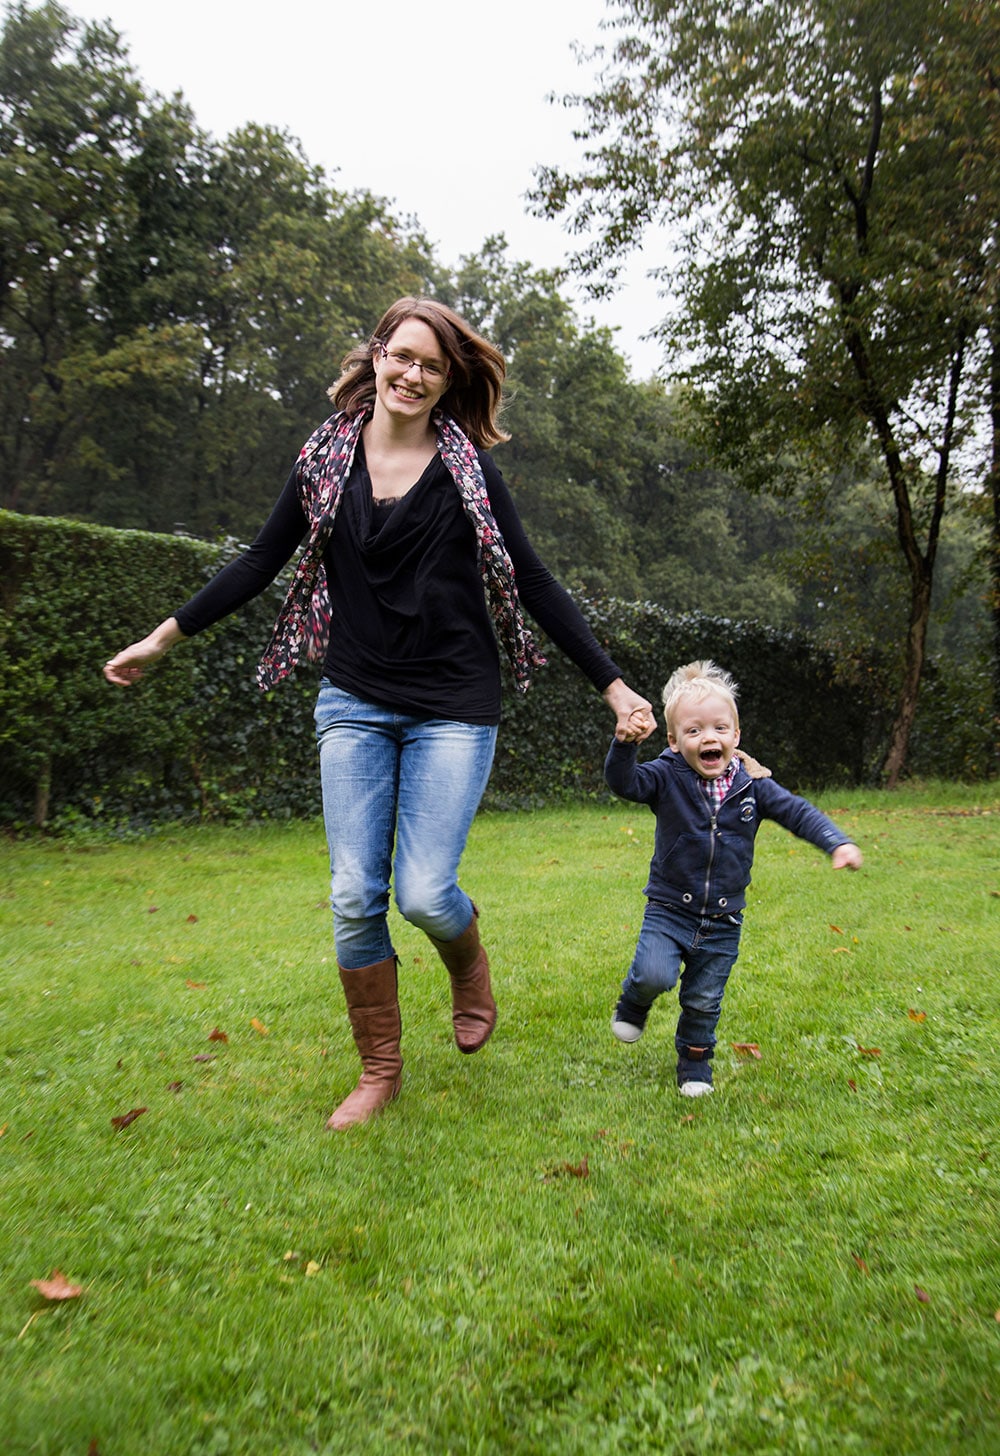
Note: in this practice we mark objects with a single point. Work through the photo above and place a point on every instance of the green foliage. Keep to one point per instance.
(810, 726)
(69, 594)
(172, 307)
(955, 732)
(827, 174)
(616, 503)
(197, 737)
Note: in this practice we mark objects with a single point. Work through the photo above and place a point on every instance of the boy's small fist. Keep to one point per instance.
(847, 857)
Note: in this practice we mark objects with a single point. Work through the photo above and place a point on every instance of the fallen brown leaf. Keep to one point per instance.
(870, 1051)
(259, 1026)
(204, 1056)
(746, 1049)
(127, 1117)
(57, 1286)
(192, 920)
(836, 930)
(570, 1170)
(860, 1263)
(916, 1015)
(921, 1294)
(195, 985)
(216, 1035)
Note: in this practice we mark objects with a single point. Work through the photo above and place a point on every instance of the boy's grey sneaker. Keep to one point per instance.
(629, 1020)
(694, 1076)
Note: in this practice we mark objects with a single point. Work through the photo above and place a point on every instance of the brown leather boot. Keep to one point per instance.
(473, 1010)
(373, 1007)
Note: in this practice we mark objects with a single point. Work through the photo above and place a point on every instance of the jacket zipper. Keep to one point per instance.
(713, 820)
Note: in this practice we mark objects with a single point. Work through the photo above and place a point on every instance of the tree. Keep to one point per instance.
(836, 230)
(172, 308)
(615, 502)
(67, 120)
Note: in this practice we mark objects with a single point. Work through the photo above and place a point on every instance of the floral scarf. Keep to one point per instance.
(325, 462)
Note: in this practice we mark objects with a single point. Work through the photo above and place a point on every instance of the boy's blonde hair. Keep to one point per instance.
(699, 680)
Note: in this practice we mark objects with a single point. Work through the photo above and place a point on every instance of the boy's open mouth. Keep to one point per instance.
(711, 756)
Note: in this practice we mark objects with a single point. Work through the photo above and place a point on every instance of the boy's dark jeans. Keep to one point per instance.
(706, 948)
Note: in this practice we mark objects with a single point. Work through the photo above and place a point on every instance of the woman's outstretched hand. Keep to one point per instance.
(635, 717)
(128, 666)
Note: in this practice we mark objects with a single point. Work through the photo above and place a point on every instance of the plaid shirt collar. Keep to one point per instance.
(715, 790)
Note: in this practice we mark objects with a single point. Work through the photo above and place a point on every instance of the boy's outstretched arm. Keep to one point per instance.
(847, 857)
(628, 778)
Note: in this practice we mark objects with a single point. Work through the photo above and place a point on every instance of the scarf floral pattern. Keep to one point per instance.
(325, 462)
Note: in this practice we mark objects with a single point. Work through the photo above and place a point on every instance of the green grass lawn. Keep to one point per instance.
(541, 1248)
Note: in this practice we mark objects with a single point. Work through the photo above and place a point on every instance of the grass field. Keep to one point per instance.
(539, 1249)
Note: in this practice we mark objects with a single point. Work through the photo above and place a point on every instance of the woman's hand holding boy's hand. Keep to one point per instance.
(638, 726)
(635, 716)
(847, 857)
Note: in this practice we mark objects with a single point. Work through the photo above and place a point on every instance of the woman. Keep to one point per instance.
(406, 518)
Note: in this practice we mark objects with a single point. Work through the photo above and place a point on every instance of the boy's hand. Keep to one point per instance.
(847, 857)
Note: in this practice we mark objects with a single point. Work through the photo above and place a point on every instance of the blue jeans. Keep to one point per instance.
(706, 947)
(396, 779)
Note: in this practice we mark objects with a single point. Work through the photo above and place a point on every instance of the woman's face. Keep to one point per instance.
(411, 374)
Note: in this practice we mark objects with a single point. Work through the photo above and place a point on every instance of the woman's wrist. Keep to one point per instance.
(165, 636)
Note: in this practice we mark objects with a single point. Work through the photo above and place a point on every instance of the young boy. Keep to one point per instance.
(708, 810)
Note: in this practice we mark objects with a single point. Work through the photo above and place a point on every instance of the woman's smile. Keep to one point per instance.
(401, 385)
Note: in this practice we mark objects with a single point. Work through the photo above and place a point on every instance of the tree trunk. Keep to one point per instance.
(913, 667)
(994, 546)
(43, 790)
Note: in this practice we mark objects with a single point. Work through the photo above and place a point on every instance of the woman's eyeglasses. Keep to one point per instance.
(433, 373)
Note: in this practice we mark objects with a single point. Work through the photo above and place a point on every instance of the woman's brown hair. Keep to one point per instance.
(474, 396)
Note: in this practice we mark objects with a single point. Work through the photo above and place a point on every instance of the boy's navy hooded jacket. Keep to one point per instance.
(702, 858)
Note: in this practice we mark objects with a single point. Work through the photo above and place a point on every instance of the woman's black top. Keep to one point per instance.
(410, 627)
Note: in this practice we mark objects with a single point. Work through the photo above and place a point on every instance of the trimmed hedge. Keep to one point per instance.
(197, 739)
(796, 715)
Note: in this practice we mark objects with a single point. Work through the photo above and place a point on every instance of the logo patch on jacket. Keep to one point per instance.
(747, 810)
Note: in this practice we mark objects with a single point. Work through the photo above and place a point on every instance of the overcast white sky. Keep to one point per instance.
(438, 106)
